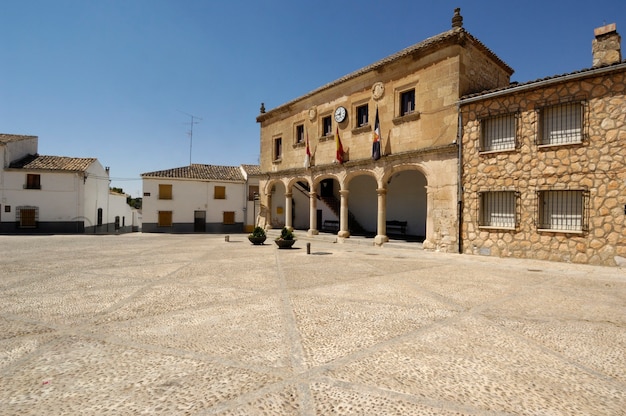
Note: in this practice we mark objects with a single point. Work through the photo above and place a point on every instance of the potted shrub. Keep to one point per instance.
(257, 236)
(286, 239)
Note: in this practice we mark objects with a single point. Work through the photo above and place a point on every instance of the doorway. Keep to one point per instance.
(199, 221)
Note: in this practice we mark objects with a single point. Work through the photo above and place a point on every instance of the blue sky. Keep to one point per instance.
(118, 79)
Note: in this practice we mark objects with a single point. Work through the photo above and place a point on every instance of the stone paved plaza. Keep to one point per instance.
(192, 324)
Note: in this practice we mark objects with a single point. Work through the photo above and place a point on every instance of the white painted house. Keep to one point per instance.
(56, 194)
(200, 198)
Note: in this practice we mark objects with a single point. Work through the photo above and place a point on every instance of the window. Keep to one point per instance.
(99, 216)
(561, 124)
(300, 133)
(229, 217)
(563, 210)
(498, 133)
(219, 192)
(27, 217)
(327, 126)
(7, 208)
(165, 191)
(407, 102)
(33, 181)
(165, 219)
(362, 115)
(253, 192)
(497, 209)
(278, 148)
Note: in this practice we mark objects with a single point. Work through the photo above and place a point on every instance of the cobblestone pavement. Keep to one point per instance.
(192, 324)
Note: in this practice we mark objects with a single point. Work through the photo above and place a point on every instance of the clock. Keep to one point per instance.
(340, 114)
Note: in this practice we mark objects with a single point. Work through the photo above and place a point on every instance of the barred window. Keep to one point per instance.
(498, 133)
(561, 124)
(498, 209)
(27, 217)
(563, 210)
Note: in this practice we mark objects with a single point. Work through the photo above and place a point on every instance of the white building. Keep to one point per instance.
(200, 198)
(56, 194)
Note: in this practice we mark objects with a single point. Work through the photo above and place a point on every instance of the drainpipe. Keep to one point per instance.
(459, 143)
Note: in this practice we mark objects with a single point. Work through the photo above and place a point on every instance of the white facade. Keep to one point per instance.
(69, 195)
(194, 204)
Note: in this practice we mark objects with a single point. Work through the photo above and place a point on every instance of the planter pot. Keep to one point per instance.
(284, 243)
(257, 240)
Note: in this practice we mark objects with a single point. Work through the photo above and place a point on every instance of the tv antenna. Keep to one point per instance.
(192, 121)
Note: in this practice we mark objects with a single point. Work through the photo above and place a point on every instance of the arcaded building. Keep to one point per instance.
(544, 164)
(320, 164)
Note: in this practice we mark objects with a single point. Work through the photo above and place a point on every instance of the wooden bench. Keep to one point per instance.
(330, 226)
(397, 226)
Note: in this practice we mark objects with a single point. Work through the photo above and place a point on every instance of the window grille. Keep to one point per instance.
(99, 214)
(498, 133)
(562, 124)
(498, 209)
(27, 217)
(563, 210)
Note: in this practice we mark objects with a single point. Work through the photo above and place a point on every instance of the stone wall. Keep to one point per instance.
(598, 165)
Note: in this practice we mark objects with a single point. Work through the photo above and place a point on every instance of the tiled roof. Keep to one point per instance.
(252, 170)
(457, 35)
(201, 172)
(7, 138)
(551, 79)
(39, 162)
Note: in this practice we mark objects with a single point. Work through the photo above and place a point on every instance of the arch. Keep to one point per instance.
(392, 170)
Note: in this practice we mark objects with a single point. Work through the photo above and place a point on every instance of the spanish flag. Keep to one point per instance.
(376, 139)
(339, 155)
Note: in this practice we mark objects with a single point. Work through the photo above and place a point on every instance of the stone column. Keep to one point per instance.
(343, 215)
(313, 214)
(288, 211)
(381, 219)
(268, 211)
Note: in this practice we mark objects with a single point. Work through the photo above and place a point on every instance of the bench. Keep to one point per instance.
(330, 226)
(397, 226)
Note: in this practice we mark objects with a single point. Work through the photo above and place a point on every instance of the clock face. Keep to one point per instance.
(340, 114)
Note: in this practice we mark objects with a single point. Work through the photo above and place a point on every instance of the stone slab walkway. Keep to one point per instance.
(193, 325)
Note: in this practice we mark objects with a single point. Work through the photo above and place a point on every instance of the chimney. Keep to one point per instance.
(606, 47)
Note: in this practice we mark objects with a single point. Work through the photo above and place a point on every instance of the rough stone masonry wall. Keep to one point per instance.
(598, 165)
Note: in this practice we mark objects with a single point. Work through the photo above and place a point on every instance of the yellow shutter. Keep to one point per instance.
(165, 191)
(219, 192)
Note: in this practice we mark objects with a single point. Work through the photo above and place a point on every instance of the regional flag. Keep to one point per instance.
(307, 156)
(376, 138)
(339, 155)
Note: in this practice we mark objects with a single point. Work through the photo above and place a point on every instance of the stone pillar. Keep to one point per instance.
(343, 215)
(381, 220)
(288, 211)
(268, 212)
(313, 214)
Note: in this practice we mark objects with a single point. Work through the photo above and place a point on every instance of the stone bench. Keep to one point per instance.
(330, 226)
(397, 226)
